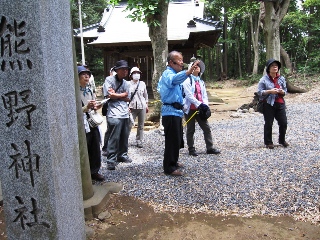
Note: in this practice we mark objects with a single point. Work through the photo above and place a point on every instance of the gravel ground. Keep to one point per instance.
(246, 179)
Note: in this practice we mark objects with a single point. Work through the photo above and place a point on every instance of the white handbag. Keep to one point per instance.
(95, 119)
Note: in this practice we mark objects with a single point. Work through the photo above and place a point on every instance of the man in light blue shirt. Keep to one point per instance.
(170, 90)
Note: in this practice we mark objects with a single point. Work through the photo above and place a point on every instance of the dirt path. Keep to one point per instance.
(232, 98)
(132, 219)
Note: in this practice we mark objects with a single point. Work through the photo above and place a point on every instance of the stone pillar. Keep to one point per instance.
(87, 189)
(40, 167)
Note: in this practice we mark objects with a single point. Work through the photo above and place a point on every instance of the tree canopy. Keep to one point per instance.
(243, 36)
(91, 13)
(298, 33)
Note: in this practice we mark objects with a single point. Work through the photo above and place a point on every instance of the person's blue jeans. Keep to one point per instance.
(117, 144)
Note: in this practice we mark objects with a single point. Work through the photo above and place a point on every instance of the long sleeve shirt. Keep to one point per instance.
(189, 87)
(170, 90)
(266, 83)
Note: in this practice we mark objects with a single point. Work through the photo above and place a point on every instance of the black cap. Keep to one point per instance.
(121, 64)
(269, 62)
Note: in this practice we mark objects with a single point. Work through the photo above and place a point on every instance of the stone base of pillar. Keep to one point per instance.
(97, 203)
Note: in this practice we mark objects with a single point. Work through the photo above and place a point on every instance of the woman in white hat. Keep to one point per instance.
(139, 102)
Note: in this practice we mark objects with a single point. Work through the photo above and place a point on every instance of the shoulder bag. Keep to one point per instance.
(260, 104)
(94, 118)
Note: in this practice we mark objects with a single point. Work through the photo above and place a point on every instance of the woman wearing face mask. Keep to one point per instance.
(139, 102)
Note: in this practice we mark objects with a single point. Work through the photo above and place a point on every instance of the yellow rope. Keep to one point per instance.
(154, 101)
(190, 118)
(187, 120)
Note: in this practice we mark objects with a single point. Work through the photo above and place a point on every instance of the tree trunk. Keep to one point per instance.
(255, 40)
(286, 59)
(310, 31)
(159, 42)
(225, 46)
(293, 89)
(203, 59)
(248, 49)
(271, 17)
(273, 13)
(218, 61)
(239, 56)
(271, 29)
(210, 77)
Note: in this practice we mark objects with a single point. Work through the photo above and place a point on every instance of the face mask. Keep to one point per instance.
(136, 76)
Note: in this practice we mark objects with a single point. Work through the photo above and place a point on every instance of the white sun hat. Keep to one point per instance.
(134, 69)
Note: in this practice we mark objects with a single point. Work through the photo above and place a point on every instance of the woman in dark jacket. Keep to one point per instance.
(272, 89)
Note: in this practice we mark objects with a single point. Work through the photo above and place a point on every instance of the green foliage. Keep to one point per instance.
(146, 11)
(311, 65)
(310, 3)
(292, 30)
(217, 86)
(231, 7)
(91, 13)
(252, 79)
(299, 34)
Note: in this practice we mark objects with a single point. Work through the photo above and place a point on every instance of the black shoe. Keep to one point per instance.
(124, 159)
(180, 165)
(270, 146)
(111, 166)
(284, 144)
(193, 153)
(176, 173)
(97, 177)
(213, 151)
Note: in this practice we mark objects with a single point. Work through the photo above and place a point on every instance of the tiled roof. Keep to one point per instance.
(121, 30)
